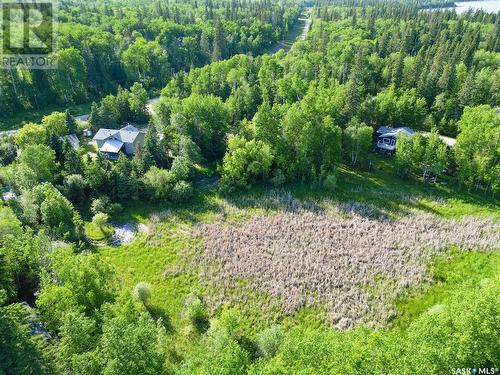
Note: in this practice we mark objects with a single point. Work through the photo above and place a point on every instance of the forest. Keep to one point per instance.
(269, 234)
(104, 45)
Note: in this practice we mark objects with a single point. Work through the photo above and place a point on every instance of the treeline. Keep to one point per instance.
(104, 45)
(296, 116)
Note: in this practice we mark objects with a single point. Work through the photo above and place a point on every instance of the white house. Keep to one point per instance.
(111, 142)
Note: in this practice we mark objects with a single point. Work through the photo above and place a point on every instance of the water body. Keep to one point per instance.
(491, 6)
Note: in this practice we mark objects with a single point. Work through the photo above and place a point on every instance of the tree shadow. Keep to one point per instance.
(158, 313)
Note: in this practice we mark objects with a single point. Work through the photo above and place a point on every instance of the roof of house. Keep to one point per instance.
(386, 131)
(127, 134)
(130, 128)
(73, 140)
(112, 146)
(103, 134)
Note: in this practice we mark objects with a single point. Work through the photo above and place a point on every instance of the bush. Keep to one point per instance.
(245, 162)
(197, 313)
(182, 191)
(166, 185)
(181, 168)
(103, 204)
(8, 153)
(159, 182)
(142, 292)
(100, 220)
(278, 178)
(330, 181)
(270, 340)
(74, 189)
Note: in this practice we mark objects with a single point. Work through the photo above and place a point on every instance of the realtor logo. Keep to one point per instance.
(28, 34)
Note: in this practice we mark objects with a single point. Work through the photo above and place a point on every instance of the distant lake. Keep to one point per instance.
(491, 6)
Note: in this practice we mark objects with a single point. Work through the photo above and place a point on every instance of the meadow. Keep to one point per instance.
(372, 253)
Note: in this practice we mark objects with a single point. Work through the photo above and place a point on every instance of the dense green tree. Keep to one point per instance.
(8, 153)
(476, 151)
(358, 139)
(30, 134)
(245, 162)
(78, 283)
(56, 124)
(137, 101)
(138, 341)
(20, 351)
(45, 206)
(206, 123)
(75, 189)
(41, 160)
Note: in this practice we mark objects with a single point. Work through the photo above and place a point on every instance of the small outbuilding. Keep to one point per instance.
(72, 139)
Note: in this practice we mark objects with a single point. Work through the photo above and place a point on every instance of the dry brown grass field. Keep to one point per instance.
(348, 258)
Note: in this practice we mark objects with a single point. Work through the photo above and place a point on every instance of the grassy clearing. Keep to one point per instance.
(159, 257)
(18, 120)
(463, 270)
(96, 234)
(155, 258)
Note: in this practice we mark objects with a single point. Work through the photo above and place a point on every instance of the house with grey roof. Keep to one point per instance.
(111, 142)
(387, 136)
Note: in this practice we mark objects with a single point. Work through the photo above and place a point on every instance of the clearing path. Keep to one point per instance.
(307, 26)
(299, 32)
(124, 233)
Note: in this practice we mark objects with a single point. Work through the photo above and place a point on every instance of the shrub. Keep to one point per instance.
(269, 340)
(142, 292)
(330, 181)
(74, 189)
(181, 168)
(100, 220)
(182, 191)
(197, 313)
(159, 182)
(245, 162)
(103, 204)
(278, 178)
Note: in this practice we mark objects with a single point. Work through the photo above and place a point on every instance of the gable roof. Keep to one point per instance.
(103, 134)
(130, 128)
(127, 134)
(386, 131)
(112, 145)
